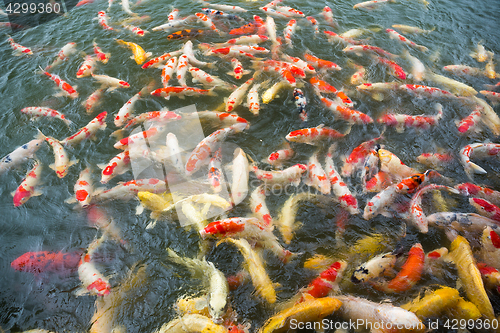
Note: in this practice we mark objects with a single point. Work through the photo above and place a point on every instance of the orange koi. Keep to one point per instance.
(313, 135)
(320, 63)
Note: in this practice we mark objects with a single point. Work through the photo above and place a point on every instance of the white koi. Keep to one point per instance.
(175, 152)
(110, 83)
(63, 55)
(240, 175)
(20, 155)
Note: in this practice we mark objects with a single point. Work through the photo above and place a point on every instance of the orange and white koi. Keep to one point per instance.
(291, 175)
(27, 188)
(63, 55)
(210, 144)
(237, 95)
(181, 70)
(223, 119)
(426, 91)
(94, 100)
(394, 69)
(249, 28)
(485, 208)
(328, 17)
(359, 76)
(336, 38)
(208, 80)
(393, 34)
(92, 280)
(215, 176)
(410, 272)
(380, 201)
(181, 92)
(168, 71)
(140, 55)
(326, 281)
(393, 165)
(480, 54)
(289, 30)
(410, 184)
(411, 30)
(417, 215)
(314, 24)
(473, 190)
(259, 207)
(88, 131)
(20, 155)
(207, 21)
(300, 64)
(435, 160)
(350, 115)
(375, 267)
(37, 111)
(278, 157)
(18, 49)
(136, 30)
(314, 135)
(417, 67)
(116, 166)
(480, 150)
(101, 56)
(378, 182)
(66, 88)
(369, 49)
(372, 4)
(356, 158)
(250, 39)
(128, 190)
(234, 226)
(279, 67)
(339, 187)
(274, 12)
(374, 314)
(83, 189)
(316, 175)
(400, 121)
(240, 175)
(253, 99)
(139, 138)
(471, 123)
(228, 51)
(491, 95)
(109, 82)
(173, 15)
(102, 18)
(378, 90)
(87, 68)
(320, 63)
(62, 162)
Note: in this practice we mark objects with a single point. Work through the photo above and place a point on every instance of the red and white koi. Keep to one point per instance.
(240, 175)
(350, 115)
(485, 208)
(101, 56)
(369, 49)
(63, 55)
(18, 49)
(230, 227)
(490, 275)
(339, 187)
(210, 144)
(300, 64)
(278, 157)
(66, 88)
(274, 12)
(83, 189)
(103, 20)
(136, 30)
(259, 207)
(336, 38)
(215, 176)
(435, 160)
(491, 95)
(473, 190)
(93, 101)
(168, 71)
(394, 69)
(223, 119)
(37, 111)
(480, 150)
(393, 165)
(464, 70)
(289, 31)
(159, 61)
(417, 67)
(181, 70)
(110, 83)
(378, 90)
(417, 215)
(88, 131)
(128, 190)
(314, 135)
(314, 24)
(380, 201)
(173, 15)
(92, 280)
(356, 158)
(227, 51)
(20, 155)
(490, 246)
(279, 67)
(208, 80)
(253, 99)
(27, 188)
(471, 123)
(116, 166)
(87, 68)
(289, 11)
(181, 92)
(139, 138)
(393, 34)
(127, 110)
(400, 121)
(378, 182)
(291, 175)
(491, 118)
(316, 175)
(372, 4)
(426, 91)
(320, 63)
(62, 162)
(237, 95)
(328, 17)
(328, 280)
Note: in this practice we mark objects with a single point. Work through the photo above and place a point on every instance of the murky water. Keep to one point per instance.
(47, 223)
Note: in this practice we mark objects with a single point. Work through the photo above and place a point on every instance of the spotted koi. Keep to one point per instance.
(320, 63)
(400, 121)
(66, 88)
(328, 17)
(393, 34)
(356, 158)
(18, 49)
(116, 166)
(88, 131)
(27, 188)
(480, 150)
(350, 115)
(35, 111)
(313, 135)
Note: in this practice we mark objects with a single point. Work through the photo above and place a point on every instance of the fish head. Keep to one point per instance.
(21, 196)
(24, 262)
(124, 84)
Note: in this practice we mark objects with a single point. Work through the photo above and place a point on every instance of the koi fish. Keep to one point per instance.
(394, 69)
(188, 51)
(215, 176)
(249, 28)
(328, 17)
(278, 157)
(208, 80)
(482, 150)
(185, 33)
(214, 13)
(92, 280)
(326, 281)
(66, 89)
(27, 188)
(240, 175)
(300, 103)
(62, 163)
(470, 222)
(350, 115)
(336, 38)
(18, 49)
(139, 138)
(393, 34)
(126, 111)
(485, 208)
(372, 4)
(128, 190)
(356, 158)
(454, 86)
(379, 202)
(435, 160)
(101, 56)
(87, 68)
(36, 112)
(171, 24)
(291, 175)
(418, 68)
(434, 303)
(369, 49)
(88, 131)
(464, 70)
(194, 322)
(480, 54)
(491, 95)
(102, 18)
(289, 30)
(109, 82)
(62, 56)
(474, 190)
(411, 30)
(470, 124)
(181, 92)
(93, 101)
(116, 166)
(314, 135)
(490, 275)
(159, 61)
(391, 164)
(339, 187)
(136, 30)
(157, 116)
(316, 175)
(231, 227)
(320, 63)
(237, 95)
(228, 8)
(375, 267)
(378, 90)
(492, 120)
(378, 182)
(206, 21)
(314, 24)
(20, 155)
(359, 76)
(140, 55)
(83, 189)
(325, 87)
(46, 261)
(400, 121)
(272, 92)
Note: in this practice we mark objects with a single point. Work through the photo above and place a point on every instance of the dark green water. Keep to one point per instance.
(47, 223)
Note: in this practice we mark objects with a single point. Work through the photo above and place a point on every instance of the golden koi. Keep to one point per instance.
(140, 55)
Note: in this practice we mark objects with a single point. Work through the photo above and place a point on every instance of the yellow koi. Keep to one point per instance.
(140, 55)
(433, 303)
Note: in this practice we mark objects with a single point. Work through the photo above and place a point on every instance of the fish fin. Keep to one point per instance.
(400, 128)
(379, 97)
(139, 209)
(151, 224)
(81, 291)
(70, 200)
(102, 166)
(52, 166)
(13, 193)
(148, 54)
(73, 162)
